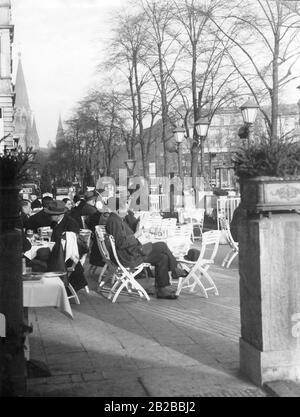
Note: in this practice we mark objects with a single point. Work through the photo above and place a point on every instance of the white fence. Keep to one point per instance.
(226, 206)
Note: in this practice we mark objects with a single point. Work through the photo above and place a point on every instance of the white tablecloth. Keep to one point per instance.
(48, 292)
(31, 253)
(177, 245)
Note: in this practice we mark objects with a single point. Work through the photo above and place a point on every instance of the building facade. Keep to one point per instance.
(6, 87)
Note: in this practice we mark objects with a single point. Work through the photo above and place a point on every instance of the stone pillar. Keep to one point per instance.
(12, 360)
(269, 263)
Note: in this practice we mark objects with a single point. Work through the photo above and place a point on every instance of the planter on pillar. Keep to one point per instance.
(269, 265)
(13, 171)
(12, 361)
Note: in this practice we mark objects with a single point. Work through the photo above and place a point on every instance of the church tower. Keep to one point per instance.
(6, 88)
(25, 126)
(60, 135)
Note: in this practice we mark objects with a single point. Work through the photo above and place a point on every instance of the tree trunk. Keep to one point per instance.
(274, 131)
(196, 109)
(140, 120)
(164, 109)
(131, 145)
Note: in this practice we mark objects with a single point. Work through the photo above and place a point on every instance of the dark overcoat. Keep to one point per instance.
(129, 249)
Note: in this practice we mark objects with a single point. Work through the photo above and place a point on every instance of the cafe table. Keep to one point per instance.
(32, 252)
(179, 245)
(44, 290)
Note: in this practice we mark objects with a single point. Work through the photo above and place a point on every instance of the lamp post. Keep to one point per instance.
(202, 128)
(249, 112)
(179, 136)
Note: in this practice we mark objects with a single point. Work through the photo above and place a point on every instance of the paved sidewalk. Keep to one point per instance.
(135, 348)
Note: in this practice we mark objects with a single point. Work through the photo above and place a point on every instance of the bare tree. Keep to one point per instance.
(210, 79)
(162, 60)
(264, 36)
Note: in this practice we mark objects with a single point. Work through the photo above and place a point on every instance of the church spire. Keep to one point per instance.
(35, 135)
(60, 135)
(22, 101)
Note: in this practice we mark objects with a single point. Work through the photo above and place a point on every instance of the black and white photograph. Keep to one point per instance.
(150, 201)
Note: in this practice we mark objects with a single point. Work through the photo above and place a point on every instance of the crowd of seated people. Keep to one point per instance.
(63, 216)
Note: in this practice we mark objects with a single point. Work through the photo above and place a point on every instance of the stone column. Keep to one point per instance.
(12, 360)
(269, 263)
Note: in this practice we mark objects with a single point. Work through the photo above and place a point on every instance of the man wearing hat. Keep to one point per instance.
(40, 219)
(63, 223)
(60, 223)
(89, 206)
(85, 207)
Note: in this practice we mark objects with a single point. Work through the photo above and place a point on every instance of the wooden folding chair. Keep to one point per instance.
(71, 268)
(195, 216)
(125, 277)
(234, 246)
(87, 235)
(198, 270)
(109, 267)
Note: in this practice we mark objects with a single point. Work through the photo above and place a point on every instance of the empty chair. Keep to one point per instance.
(83, 220)
(195, 216)
(181, 240)
(198, 270)
(168, 226)
(125, 277)
(234, 246)
(70, 247)
(109, 266)
(86, 235)
(154, 204)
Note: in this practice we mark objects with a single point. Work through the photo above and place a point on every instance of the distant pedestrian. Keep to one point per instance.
(68, 203)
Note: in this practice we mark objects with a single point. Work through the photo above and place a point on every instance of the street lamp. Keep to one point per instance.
(249, 112)
(179, 136)
(202, 125)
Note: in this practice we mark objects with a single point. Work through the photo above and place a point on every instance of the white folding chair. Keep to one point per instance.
(83, 219)
(86, 234)
(154, 202)
(234, 246)
(71, 268)
(181, 240)
(198, 270)
(195, 216)
(168, 226)
(125, 277)
(109, 266)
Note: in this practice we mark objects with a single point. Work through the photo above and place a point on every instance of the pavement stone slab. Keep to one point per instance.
(135, 348)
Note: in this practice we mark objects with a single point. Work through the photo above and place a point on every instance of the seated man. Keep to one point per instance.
(40, 219)
(25, 213)
(132, 253)
(63, 223)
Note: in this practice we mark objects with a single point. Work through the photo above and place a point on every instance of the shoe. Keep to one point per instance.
(166, 293)
(179, 272)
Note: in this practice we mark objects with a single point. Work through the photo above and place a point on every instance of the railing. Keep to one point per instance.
(225, 207)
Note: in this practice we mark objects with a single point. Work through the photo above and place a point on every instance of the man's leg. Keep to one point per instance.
(161, 263)
(162, 247)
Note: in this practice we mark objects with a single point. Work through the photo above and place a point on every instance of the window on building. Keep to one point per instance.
(1, 124)
(225, 178)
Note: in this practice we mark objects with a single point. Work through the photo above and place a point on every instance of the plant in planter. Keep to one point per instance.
(269, 174)
(14, 167)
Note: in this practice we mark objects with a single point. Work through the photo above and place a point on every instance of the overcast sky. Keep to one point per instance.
(60, 43)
